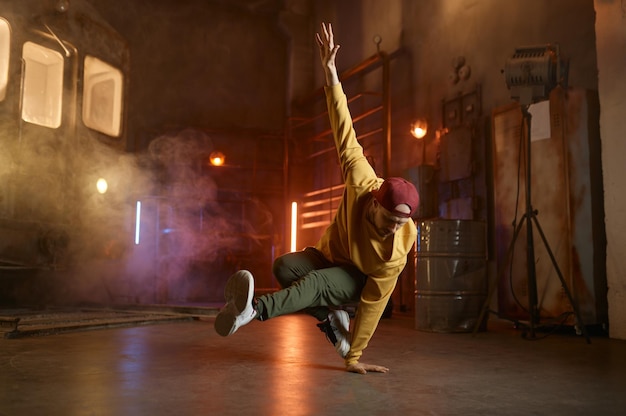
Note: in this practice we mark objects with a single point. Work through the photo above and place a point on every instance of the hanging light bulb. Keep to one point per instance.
(419, 128)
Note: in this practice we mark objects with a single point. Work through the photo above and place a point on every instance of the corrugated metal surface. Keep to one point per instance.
(451, 279)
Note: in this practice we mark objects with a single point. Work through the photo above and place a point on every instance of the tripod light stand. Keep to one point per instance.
(531, 73)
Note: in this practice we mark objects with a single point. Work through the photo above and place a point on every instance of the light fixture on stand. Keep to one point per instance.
(531, 73)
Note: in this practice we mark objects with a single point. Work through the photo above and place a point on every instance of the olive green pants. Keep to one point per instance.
(312, 284)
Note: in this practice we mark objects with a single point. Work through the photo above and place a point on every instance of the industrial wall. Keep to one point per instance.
(437, 36)
(238, 65)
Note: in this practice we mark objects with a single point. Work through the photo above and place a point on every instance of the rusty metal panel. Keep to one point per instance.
(560, 177)
(549, 198)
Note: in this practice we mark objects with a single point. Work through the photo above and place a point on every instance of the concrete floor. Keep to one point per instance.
(286, 367)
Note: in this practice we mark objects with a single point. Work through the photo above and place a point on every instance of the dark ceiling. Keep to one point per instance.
(258, 7)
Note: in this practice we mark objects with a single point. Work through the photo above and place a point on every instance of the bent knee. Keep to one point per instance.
(283, 273)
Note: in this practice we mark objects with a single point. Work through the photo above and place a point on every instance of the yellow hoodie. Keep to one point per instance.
(351, 238)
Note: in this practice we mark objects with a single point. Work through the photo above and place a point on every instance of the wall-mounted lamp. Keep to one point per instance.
(102, 185)
(419, 128)
(217, 158)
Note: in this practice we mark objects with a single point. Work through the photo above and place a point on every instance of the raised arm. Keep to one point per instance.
(328, 53)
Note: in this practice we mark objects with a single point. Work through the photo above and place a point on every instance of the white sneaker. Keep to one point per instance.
(238, 310)
(337, 330)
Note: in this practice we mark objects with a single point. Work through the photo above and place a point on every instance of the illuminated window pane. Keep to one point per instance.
(5, 43)
(43, 85)
(102, 97)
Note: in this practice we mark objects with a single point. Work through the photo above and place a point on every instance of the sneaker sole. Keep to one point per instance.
(238, 293)
(225, 321)
(240, 289)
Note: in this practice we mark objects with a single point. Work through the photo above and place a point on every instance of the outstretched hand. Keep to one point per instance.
(362, 368)
(328, 53)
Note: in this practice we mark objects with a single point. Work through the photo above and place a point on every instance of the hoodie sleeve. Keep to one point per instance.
(355, 168)
(374, 298)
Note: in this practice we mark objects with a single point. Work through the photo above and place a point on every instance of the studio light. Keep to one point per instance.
(533, 71)
(531, 74)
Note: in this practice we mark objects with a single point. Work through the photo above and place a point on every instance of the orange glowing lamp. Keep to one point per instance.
(419, 128)
(217, 158)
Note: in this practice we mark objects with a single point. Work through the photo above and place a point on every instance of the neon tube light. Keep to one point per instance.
(137, 222)
(294, 225)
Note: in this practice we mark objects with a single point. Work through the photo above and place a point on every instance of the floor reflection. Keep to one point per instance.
(293, 378)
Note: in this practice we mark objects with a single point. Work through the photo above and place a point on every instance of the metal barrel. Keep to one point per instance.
(451, 275)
